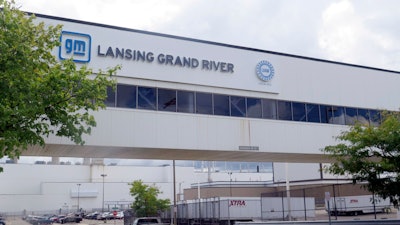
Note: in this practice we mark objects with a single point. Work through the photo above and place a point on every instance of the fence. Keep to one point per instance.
(309, 203)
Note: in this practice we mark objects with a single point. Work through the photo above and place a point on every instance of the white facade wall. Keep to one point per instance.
(49, 188)
(133, 133)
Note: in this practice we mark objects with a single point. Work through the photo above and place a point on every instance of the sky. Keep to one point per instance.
(361, 32)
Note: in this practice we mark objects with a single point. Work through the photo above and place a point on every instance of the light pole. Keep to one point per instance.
(230, 194)
(288, 192)
(230, 183)
(79, 185)
(102, 206)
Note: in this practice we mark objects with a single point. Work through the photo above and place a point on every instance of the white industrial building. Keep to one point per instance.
(184, 99)
(53, 188)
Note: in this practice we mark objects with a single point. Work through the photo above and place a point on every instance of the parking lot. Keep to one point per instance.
(19, 221)
(320, 215)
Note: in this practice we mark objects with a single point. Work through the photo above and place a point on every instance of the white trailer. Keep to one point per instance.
(279, 208)
(222, 210)
(229, 210)
(240, 209)
(356, 205)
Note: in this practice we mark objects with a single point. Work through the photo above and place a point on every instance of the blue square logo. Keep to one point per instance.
(76, 46)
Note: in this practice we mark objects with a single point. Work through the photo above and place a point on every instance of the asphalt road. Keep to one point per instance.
(19, 221)
(320, 215)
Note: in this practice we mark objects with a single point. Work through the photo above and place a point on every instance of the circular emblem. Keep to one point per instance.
(265, 71)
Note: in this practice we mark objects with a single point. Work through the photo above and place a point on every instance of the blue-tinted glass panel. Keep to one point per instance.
(350, 116)
(186, 101)
(374, 117)
(269, 108)
(299, 111)
(166, 100)
(110, 100)
(284, 110)
(147, 98)
(313, 114)
(221, 105)
(338, 115)
(326, 113)
(126, 96)
(238, 106)
(254, 109)
(363, 116)
(204, 103)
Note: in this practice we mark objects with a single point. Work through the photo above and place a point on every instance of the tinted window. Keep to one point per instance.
(374, 117)
(269, 109)
(126, 96)
(254, 109)
(166, 100)
(326, 113)
(147, 98)
(299, 111)
(313, 114)
(186, 101)
(221, 105)
(338, 115)
(204, 103)
(131, 96)
(238, 106)
(363, 116)
(284, 110)
(350, 116)
(110, 100)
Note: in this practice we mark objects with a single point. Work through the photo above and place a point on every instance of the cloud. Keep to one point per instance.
(359, 31)
(354, 34)
(136, 14)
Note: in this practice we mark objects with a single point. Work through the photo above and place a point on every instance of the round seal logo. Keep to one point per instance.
(265, 71)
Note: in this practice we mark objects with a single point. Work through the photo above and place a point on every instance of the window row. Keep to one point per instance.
(151, 98)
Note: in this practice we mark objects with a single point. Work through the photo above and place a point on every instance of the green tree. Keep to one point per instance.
(40, 95)
(146, 202)
(371, 155)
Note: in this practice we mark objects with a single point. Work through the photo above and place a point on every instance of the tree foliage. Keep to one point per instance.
(371, 154)
(39, 94)
(146, 202)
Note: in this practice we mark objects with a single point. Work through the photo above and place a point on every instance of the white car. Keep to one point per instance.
(120, 215)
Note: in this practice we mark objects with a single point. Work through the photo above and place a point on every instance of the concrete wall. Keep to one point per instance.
(42, 188)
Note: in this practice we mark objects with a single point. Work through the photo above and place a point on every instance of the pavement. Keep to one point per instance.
(19, 221)
(319, 215)
(322, 215)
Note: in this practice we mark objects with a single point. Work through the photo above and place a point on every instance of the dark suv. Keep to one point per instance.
(2, 222)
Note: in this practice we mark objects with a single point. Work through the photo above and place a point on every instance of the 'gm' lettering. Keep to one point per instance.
(76, 47)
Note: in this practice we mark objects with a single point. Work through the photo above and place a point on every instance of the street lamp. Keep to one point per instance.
(102, 207)
(79, 185)
(230, 183)
(230, 193)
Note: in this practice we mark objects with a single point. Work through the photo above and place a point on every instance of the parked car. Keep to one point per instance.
(120, 215)
(71, 218)
(2, 222)
(106, 216)
(148, 221)
(92, 216)
(53, 218)
(38, 220)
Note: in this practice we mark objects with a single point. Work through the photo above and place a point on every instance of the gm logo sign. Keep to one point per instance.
(75, 46)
